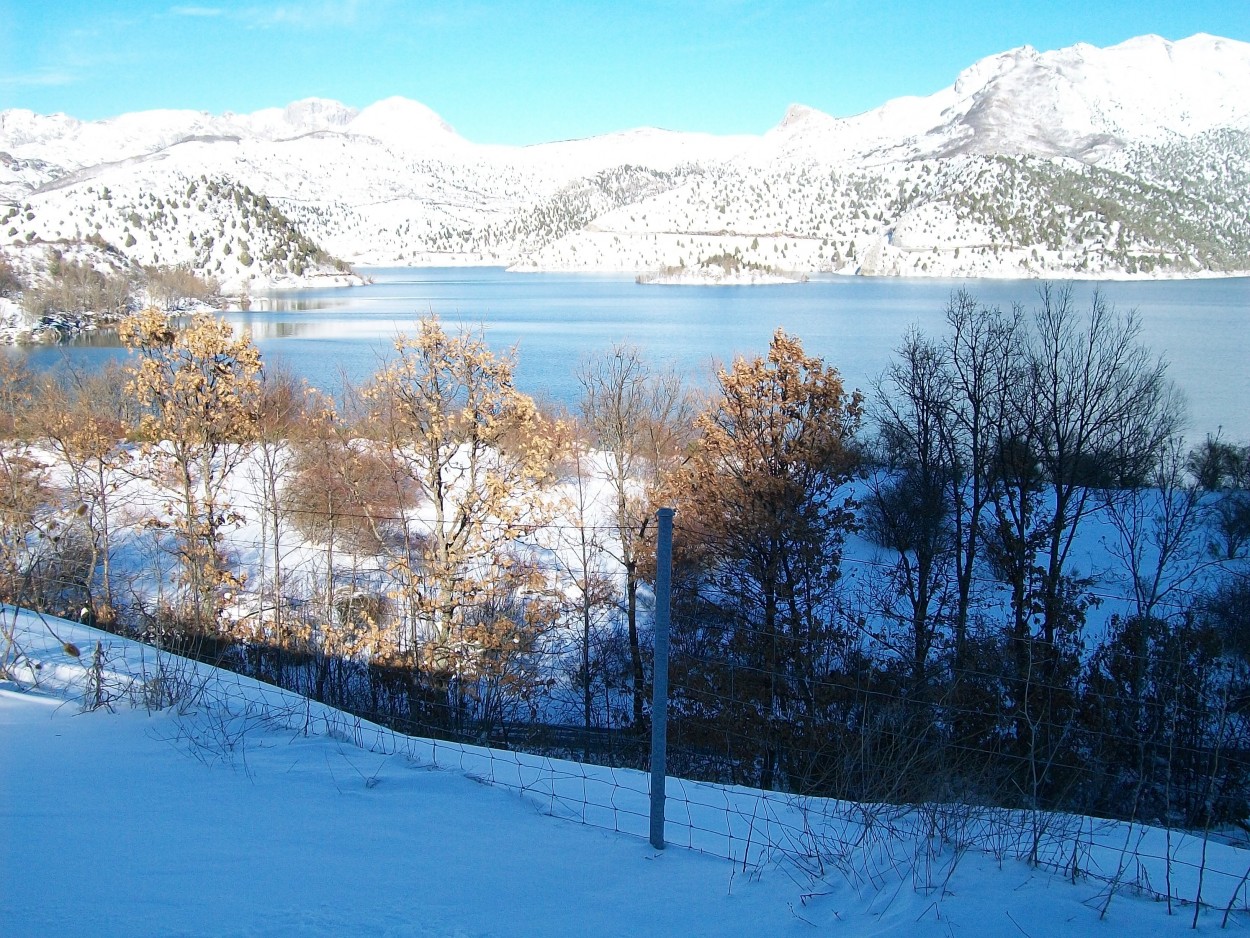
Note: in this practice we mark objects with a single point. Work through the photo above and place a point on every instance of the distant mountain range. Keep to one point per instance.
(1132, 160)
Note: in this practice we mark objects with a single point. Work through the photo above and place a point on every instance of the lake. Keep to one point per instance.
(1202, 327)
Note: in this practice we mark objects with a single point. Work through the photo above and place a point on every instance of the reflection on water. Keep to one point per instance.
(285, 304)
(555, 321)
(261, 326)
(281, 330)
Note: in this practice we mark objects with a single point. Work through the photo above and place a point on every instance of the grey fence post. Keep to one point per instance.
(659, 677)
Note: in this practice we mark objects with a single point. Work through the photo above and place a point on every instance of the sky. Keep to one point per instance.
(521, 71)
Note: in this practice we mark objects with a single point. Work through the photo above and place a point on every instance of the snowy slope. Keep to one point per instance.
(1132, 160)
(1081, 102)
(246, 811)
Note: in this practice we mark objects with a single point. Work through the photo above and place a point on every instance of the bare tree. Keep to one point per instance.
(17, 389)
(1088, 408)
(1100, 411)
(641, 419)
(21, 482)
(23, 493)
(1160, 532)
(1222, 471)
(591, 591)
(281, 415)
(347, 495)
(980, 350)
(908, 509)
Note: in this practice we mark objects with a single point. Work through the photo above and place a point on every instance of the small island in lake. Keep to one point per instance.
(721, 270)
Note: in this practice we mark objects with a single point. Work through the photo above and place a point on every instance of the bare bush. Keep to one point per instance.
(75, 287)
(11, 282)
(173, 287)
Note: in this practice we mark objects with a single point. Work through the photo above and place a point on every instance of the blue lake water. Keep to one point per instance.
(1201, 327)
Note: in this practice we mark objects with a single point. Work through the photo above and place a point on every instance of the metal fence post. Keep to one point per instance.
(659, 678)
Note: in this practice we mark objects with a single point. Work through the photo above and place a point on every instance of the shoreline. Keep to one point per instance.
(59, 328)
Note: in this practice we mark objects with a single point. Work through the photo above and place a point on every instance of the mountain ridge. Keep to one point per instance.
(1129, 160)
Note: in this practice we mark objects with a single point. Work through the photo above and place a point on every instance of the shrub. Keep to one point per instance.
(74, 287)
(170, 286)
(11, 282)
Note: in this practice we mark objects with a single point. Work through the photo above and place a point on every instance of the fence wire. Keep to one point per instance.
(866, 844)
(721, 730)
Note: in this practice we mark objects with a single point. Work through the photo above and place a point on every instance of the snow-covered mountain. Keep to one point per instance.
(1129, 160)
(1080, 102)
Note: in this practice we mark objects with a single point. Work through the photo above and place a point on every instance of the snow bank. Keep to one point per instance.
(295, 807)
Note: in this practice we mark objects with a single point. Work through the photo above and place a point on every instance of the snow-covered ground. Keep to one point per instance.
(245, 811)
(11, 318)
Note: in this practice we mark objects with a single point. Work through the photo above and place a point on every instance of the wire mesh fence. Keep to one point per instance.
(822, 750)
(864, 842)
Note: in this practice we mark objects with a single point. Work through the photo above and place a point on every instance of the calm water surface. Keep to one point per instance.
(1202, 327)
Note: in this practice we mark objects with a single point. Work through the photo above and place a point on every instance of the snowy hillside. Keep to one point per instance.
(147, 795)
(1080, 102)
(1132, 160)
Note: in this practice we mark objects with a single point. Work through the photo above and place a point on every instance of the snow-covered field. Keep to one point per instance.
(243, 810)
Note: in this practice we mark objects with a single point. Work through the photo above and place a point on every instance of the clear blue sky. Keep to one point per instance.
(519, 71)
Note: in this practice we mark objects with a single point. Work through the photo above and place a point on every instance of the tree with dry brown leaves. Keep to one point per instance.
(474, 446)
(762, 513)
(83, 418)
